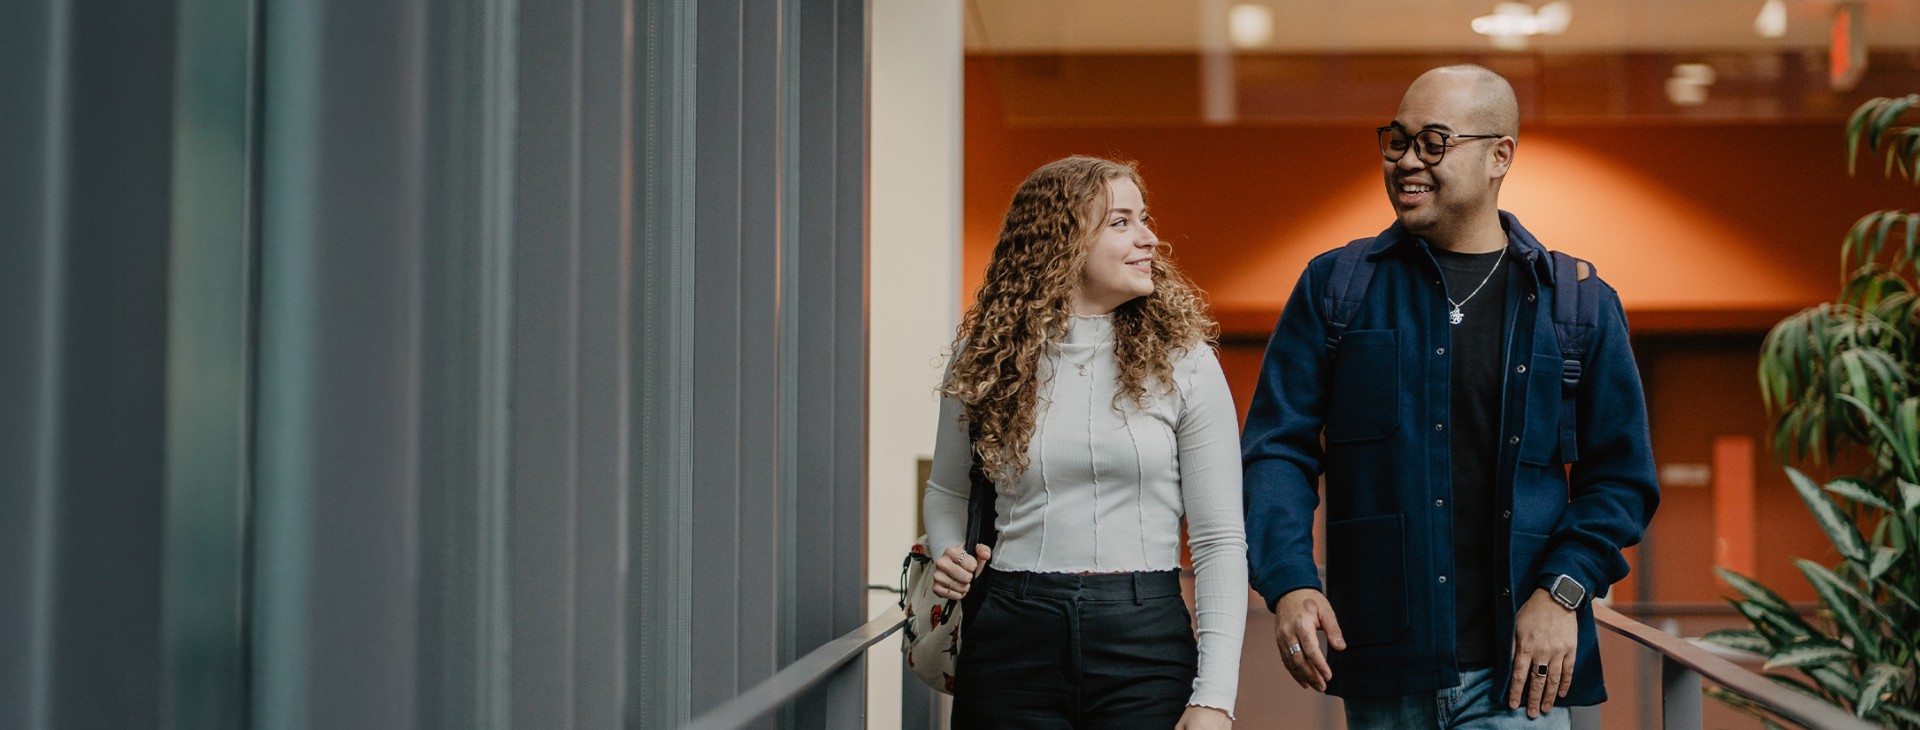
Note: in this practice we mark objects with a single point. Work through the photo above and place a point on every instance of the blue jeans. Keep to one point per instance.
(1480, 702)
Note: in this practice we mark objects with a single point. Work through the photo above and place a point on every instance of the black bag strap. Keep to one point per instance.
(1347, 288)
(1576, 318)
(980, 512)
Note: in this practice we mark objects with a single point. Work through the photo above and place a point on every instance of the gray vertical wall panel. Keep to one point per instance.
(25, 299)
(339, 425)
(718, 495)
(106, 665)
(813, 356)
(851, 302)
(209, 364)
(607, 85)
(662, 624)
(545, 365)
(765, 601)
(466, 365)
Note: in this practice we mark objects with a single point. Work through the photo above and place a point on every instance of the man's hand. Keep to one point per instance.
(1203, 718)
(1544, 633)
(1296, 616)
(954, 570)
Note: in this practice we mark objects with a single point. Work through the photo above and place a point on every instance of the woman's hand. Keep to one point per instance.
(1203, 718)
(954, 570)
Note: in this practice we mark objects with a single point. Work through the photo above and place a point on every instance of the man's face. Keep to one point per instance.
(1432, 197)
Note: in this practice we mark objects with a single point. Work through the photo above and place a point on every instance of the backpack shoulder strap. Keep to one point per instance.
(1576, 319)
(1347, 288)
(980, 511)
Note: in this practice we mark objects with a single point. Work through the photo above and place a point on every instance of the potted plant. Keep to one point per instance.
(1845, 377)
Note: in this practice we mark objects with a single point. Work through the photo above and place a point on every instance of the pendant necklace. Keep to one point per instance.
(1456, 316)
(1082, 366)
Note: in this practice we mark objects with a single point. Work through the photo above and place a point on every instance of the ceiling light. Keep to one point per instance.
(1553, 17)
(1772, 20)
(1249, 25)
(1511, 23)
(1507, 19)
(1688, 85)
(1697, 73)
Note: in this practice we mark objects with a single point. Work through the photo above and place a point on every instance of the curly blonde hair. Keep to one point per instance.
(1023, 308)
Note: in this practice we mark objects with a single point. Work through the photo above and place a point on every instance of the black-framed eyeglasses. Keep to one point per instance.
(1433, 143)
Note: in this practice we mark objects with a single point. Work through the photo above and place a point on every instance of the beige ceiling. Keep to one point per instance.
(1337, 26)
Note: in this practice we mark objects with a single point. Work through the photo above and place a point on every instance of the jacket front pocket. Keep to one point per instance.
(1367, 578)
(1365, 402)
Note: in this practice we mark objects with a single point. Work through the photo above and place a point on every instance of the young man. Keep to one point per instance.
(1442, 375)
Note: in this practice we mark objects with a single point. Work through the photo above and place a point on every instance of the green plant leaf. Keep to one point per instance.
(1809, 653)
(1818, 574)
(1910, 715)
(1902, 596)
(1746, 640)
(1846, 614)
(1755, 592)
(1882, 560)
(1876, 687)
(1889, 112)
(1744, 706)
(1780, 627)
(1799, 685)
(1839, 528)
(1856, 491)
(1909, 495)
(1839, 682)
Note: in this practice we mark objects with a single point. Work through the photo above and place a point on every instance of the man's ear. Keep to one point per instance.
(1502, 161)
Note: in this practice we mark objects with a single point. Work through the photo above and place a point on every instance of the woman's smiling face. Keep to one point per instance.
(1119, 264)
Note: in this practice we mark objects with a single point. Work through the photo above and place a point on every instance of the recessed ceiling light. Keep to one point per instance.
(1250, 25)
(1772, 20)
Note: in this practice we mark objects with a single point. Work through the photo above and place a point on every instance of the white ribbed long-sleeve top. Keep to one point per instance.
(1106, 488)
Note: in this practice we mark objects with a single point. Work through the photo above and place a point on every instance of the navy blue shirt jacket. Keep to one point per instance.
(1380, 401)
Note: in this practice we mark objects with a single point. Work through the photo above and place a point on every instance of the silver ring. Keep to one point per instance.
(1293, 649)
(1540, 670)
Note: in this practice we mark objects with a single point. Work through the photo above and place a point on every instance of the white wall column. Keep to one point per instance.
(914, 209)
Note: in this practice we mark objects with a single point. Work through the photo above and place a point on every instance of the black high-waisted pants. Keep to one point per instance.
(1057, 650)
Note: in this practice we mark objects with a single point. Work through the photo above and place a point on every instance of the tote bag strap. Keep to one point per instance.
(980, 513)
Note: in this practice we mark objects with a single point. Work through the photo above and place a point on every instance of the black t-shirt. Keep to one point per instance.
(1475, 414)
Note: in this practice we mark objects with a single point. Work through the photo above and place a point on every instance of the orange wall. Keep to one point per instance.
(1720, 219)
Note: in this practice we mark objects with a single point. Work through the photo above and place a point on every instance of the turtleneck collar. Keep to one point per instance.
(1086, 330)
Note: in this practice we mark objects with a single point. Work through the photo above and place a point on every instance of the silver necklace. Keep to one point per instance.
(1456, 316)
(1083, 366)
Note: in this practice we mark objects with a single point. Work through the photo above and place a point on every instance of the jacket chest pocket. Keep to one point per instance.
(1365, 402)
(1540, 441)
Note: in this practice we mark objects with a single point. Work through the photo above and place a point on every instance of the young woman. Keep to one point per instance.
(1103, 419)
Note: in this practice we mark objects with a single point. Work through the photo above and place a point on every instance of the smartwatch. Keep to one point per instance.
(1567, 591)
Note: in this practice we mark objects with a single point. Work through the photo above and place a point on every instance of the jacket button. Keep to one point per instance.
(1513, 439)
(1439, 502)
(1529, 297)
(1506, 591)
(1439, 427)
(1439, 351)
(1506, 514)
(1443, 579)
(1520, 369)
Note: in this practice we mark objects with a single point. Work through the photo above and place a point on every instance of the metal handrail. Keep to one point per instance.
(1683, 664)
(803, 674)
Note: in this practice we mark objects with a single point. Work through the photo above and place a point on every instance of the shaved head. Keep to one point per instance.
(1465, 123)
(1491, 103)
